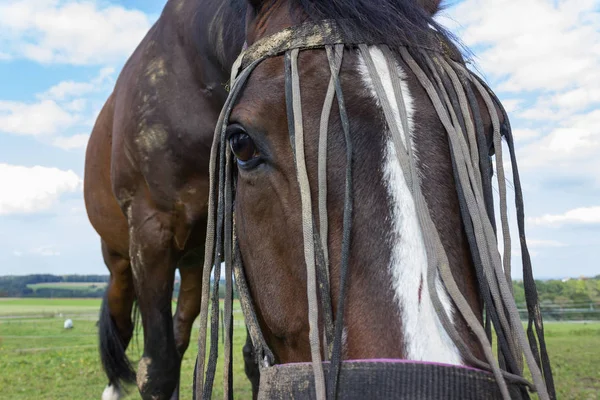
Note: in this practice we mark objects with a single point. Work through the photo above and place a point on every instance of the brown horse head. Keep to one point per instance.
(352, 168)
(388, 302)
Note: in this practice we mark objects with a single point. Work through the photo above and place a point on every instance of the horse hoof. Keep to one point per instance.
(111, 393)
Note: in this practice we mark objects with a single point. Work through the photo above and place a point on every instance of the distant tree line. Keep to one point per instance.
(85, 278)
(17, 286)
(567, 299)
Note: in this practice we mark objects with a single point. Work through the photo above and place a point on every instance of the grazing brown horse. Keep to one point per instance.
(146, 185)
(376, 218)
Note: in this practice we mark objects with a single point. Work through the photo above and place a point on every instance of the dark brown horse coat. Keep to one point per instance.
(146, 183)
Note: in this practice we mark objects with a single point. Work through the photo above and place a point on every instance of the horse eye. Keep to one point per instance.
(241, 143)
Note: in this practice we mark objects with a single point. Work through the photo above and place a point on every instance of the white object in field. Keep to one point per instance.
(68, 324)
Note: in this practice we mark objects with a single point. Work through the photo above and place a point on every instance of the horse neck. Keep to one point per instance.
(211, 33)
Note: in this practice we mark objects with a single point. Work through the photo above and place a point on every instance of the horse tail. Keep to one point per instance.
(115, 362)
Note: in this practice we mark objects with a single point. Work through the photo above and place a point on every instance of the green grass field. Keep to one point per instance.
(39, 359)
(48, 307)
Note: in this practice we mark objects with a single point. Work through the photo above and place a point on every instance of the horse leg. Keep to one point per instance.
(188, 305)
(153, 269)
(115, 325)
(250, 365)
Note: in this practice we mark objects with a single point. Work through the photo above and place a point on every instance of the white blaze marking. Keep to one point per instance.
(424, 336)
(111, 393)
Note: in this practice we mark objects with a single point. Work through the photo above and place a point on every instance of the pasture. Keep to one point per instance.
(39, 359)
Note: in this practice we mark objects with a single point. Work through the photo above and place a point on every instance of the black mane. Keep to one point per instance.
(394, 22)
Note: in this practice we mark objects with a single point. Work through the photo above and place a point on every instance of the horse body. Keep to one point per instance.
(146, 185)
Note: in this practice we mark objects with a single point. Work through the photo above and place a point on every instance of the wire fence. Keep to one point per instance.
(568, 311)
(581, 312)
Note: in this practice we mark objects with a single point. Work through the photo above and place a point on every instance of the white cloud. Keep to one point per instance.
(533, 44)
(76, 105)
(69, 89)
(511, 105)
(571, 147)
(547, 46)
(28, 190)
(526, 134)
(45, 251)
(71, 142)
(539, 243)
(544, 56)
(80, 32)
(58, 109)
(45, 117)
(576, 99)
(583, 215)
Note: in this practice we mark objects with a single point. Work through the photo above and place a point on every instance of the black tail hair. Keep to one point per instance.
(116, 365)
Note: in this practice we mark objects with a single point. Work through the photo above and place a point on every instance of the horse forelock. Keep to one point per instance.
(393, 22)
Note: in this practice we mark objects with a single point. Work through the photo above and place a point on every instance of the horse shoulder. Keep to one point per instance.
(166, 107)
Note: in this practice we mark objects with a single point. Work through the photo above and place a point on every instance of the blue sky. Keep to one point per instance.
(60, 58)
